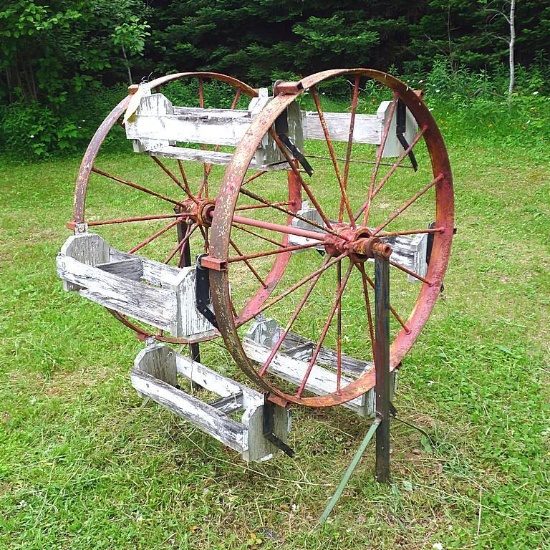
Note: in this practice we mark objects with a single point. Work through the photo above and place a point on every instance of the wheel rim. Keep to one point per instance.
(369, 201)
(164, 199)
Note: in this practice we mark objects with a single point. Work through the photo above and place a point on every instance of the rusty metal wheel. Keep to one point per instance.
(319, 302)
(164, 199)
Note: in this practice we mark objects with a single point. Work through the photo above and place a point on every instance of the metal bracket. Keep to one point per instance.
(281, 127)
(268, 426)
(202, 292)
(401, 128)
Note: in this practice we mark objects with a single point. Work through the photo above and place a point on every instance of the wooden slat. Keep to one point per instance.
(158, 119)
(212, 380)
(229, 404)
(207, 418)
(158, 149)
(367, 128)
(129, 269)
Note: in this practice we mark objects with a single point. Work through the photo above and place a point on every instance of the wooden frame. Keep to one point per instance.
(155, 376)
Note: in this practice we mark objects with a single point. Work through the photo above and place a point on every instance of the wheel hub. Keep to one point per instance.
(196, 210)
(359, 244)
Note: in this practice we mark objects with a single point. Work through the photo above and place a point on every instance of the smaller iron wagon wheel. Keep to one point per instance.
(152, 205)
(318, 335)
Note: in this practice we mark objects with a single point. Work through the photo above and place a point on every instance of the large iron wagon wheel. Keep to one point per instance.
(324, 300)
(164, 200)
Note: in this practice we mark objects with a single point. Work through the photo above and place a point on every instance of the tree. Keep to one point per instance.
(54, 48)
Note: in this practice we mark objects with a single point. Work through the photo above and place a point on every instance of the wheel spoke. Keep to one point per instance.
(130, 220)
(181, 244)
(326, 265)
(253, 177)
(279, 228)
(293, 318)
(246, 230)
(257, 206)
(322, 337)
(344, 196)
(246, 261)
(348, 150)
(398, 318)
(303, 184)
(135, 186)
(411, 273)
(154, 236)
(204, 232)
(276, 206)
(364, 282)
(185, 187)
(379, 153)
(408, 203)
(412, 232)
(284, 250)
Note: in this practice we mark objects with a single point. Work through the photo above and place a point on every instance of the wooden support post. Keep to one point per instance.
(382, 366)
(194, 349)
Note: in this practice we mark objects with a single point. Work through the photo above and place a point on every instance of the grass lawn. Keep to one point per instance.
(85, 465)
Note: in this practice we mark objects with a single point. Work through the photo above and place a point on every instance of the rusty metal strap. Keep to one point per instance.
(401, 128)
(281, 127)
(202, 292)
(269, 426)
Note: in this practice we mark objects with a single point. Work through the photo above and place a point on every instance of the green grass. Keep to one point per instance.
(84, 464)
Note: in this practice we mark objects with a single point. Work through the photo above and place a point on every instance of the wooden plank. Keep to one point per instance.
(129, 269)
(207, 418)
(157, 119)
(367, 129)
(213, 381)
(159, 361)
(158, 149)
(320, 382)
(229, 404)
(86, 248)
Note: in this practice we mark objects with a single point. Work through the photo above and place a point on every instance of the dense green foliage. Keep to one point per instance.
(61, 59)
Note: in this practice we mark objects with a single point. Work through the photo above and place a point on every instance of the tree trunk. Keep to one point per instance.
(511, 47)
(127, 63)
